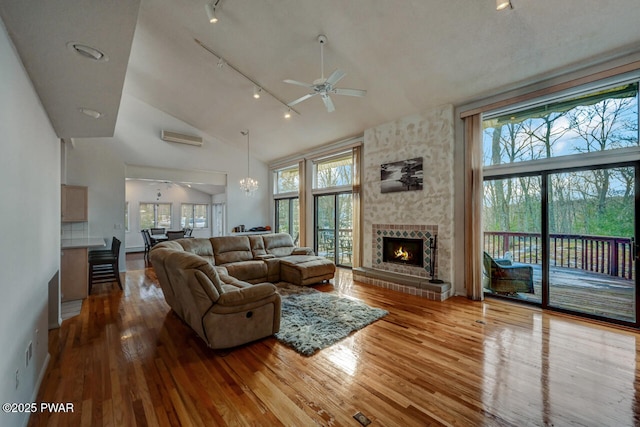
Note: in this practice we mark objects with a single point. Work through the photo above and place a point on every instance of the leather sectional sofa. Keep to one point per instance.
(222, 287)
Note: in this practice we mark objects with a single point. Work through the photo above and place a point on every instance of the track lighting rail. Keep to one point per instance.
(223, 62)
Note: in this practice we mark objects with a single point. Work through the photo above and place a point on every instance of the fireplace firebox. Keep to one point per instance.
(403, 251)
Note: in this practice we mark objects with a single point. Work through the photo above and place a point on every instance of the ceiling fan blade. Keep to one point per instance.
(335, 77)
(295, 82)
(299, 100)
(350, 92)
(328, 103)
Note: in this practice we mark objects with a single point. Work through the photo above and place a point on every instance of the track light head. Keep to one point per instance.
(287, 114)
(211, 12)
(256, 92)
(503, 4)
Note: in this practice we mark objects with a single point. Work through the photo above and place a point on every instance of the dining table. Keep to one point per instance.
(157, 238)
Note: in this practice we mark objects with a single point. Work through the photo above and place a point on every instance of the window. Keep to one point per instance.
(288, 216)
(602, 120)
(335, 171)
(155, 215)
(333, 201)
(194, 216)
(287, 204)
(560, 184)
(287, 180)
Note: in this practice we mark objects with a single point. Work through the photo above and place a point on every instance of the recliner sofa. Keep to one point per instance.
(223, 286)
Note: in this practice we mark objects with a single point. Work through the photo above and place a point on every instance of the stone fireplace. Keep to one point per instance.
(422, 214)
(410, 275)
(414, 237)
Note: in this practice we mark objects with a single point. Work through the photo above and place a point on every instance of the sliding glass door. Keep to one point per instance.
(591, 217)
(333, 227)
(565, 239)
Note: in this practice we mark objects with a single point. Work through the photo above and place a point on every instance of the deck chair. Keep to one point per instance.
(507, 278)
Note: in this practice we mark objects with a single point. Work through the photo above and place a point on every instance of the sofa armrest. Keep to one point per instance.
(265, 256)
(247, 295)
(302, 251)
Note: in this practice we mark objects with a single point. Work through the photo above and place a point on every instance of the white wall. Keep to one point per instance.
(147, 192)
(30, 245)
(99, 163)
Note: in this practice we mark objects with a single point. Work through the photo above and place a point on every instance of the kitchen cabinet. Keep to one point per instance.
(74, 266)
(74, 271)
(74, 203)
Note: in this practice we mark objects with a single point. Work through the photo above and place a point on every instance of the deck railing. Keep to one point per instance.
(601, 254)
(327, 244)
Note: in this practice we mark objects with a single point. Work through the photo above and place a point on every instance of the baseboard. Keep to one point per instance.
(36, 389)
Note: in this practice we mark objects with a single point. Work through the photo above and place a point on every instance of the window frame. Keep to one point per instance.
(577, 160)
(155, 214)
(315, 189)
(285, 194)
(193, 212)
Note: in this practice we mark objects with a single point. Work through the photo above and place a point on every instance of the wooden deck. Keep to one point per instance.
(585, 292)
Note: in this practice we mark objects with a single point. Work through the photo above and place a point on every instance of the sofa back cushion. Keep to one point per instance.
(278, 244)
(257, 246)
(229, 249)
(199, 246)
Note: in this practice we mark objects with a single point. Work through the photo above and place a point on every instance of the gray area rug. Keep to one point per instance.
(312, 320)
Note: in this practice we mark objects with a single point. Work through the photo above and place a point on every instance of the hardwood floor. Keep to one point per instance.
(128, 360)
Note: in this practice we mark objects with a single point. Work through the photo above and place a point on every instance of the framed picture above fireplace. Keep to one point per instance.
(405, 175)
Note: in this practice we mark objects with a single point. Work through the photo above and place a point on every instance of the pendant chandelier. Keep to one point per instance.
(248, 184)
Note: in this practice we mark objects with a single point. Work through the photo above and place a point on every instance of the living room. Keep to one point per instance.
(38, 154)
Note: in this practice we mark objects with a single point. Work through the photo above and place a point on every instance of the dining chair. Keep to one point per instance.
(174, 235)
(146, 238)
(188, 231)
(157, 230)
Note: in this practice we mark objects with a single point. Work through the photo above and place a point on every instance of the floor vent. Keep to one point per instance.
(362, 419)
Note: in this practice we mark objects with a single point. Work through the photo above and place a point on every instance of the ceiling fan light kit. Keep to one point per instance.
(325, 86)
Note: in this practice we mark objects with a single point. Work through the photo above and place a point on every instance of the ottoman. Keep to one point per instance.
(306, 269)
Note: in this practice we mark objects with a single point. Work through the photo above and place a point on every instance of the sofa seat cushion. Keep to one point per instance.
(248, 271)
(306, 269)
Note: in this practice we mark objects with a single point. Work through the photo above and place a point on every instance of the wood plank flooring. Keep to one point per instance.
(127, 360)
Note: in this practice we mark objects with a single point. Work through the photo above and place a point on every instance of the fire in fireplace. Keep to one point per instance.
(403, 251)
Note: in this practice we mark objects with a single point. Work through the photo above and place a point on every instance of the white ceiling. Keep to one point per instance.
(410, 55)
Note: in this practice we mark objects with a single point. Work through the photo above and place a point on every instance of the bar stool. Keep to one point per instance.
(104, 266)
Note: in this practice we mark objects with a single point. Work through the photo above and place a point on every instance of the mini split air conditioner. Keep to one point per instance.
(181, 138)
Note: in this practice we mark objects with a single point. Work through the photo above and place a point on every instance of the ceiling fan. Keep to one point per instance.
(324, 87)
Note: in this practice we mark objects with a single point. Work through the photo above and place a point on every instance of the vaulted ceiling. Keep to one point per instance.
(409, 55)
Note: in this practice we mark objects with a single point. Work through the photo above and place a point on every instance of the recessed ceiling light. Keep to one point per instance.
(91, 113)
(88, 52)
